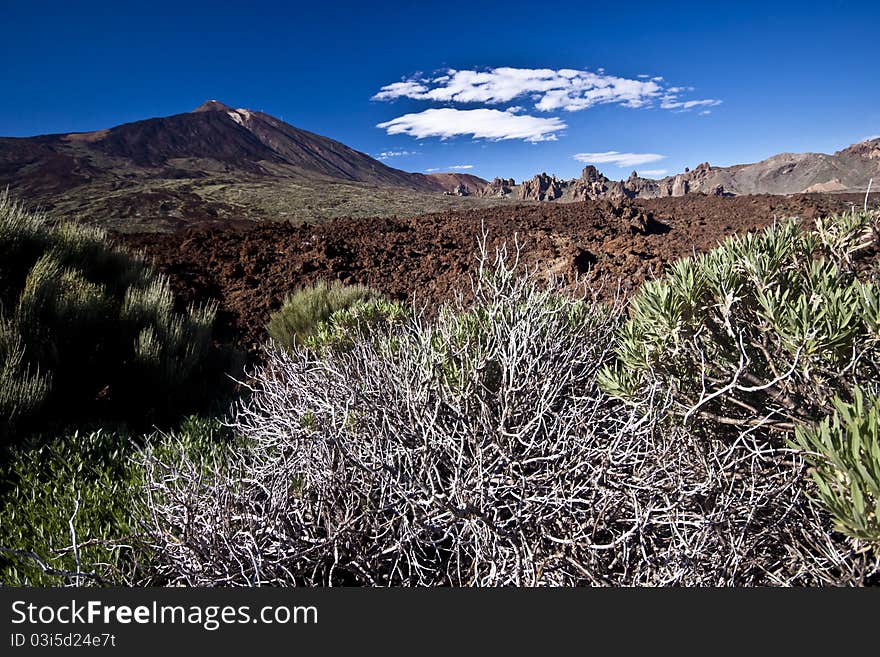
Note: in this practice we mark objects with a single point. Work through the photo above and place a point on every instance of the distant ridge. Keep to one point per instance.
(847, 170)
(220, 164)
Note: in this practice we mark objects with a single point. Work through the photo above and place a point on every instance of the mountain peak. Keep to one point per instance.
(212, 106)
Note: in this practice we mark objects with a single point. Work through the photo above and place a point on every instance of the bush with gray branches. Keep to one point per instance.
(479, 449)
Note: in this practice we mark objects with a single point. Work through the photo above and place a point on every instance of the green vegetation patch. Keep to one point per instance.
(71, 508)
(308, 308)
(88, 331)
(767, 328)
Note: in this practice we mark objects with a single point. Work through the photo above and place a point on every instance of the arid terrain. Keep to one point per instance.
(250, 269)
(412, 295)
(237, 205)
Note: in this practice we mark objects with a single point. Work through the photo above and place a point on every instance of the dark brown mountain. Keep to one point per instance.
(215, 161)
(231, 139)
(464, 184)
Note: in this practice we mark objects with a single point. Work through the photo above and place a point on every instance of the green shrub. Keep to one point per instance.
(776, 330)
(22, 389)
(766, 329)
(307, 308)
(373, 317)
(87, 330)
(845, 453)
(83, 480)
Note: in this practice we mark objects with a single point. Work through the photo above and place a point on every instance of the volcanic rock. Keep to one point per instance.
(498, 188)
(541, 188)
(250, 270)
(680, 185)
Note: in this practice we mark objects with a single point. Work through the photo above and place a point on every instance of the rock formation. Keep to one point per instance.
(593, 185)
(847, 170)
(680, 185)
(541, 188)
(498, 188)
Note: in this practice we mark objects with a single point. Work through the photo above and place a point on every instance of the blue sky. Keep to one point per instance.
(480, 85)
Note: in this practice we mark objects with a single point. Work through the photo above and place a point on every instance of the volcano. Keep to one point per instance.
(191, 165)
(210, 138)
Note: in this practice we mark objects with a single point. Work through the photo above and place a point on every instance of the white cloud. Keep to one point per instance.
(671, 101)
(384, 155)
(479, 123)
(871, 138)
(406, 89)
(550, 89)
(652, 173)
(622, 160)
(457, 167)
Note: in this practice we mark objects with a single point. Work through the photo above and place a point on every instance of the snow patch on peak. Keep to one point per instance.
(239, 115)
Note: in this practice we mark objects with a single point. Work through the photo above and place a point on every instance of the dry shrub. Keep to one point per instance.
(479, 449)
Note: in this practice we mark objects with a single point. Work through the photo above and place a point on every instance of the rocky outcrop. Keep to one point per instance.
(593, 185)
(702, 179)
(636, 187)
(498, 188)
(847, 170)
(541, 188)
(680, 185)
(866, 150)
(639, 220)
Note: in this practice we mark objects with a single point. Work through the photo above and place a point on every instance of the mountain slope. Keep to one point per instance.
(462, 183)
(213, 162)
(320, 155)
(234, 139)
(847, 170)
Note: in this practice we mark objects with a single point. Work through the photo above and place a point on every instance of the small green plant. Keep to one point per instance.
(344, 326)
(845, 453)
(76, 489)
(309, 307)
(23, 389)
(70, 507)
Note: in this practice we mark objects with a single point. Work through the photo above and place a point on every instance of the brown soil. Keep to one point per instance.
(249, 270)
